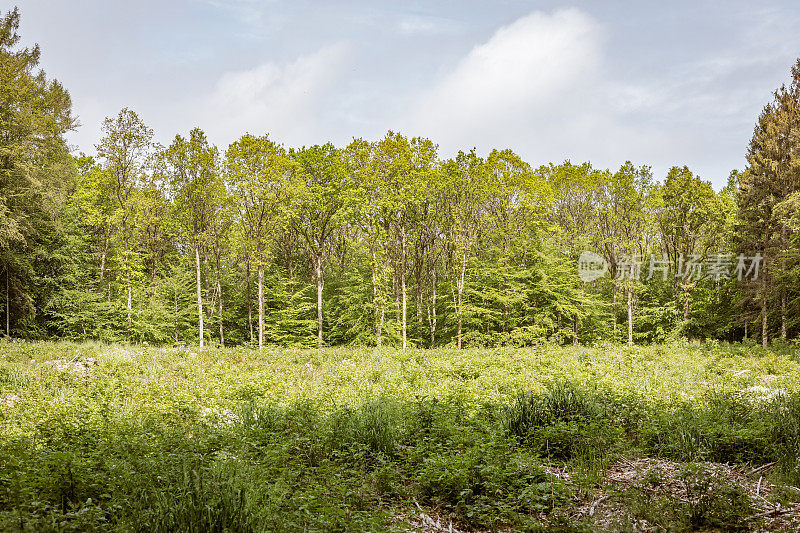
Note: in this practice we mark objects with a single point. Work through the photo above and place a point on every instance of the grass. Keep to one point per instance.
(138, 438)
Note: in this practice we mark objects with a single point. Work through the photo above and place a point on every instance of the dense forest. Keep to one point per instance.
(380, 242)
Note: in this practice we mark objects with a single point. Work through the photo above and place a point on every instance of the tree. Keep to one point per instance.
(361, 160)
(691, 219)
(198, 192)
(125, 151)
(499, 294)
(574, 215)
(624, 228)
(318, 209)
(465, 205)
(402, 168)
(771, 178)
(218, 233)
(36, 170)
(93, 196)
(258, 171)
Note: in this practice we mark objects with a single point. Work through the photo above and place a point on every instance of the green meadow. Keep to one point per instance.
(679, 436)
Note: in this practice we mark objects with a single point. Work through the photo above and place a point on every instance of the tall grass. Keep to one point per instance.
(350, 440)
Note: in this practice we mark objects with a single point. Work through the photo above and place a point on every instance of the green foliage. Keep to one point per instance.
(169, 439)
(376, 243)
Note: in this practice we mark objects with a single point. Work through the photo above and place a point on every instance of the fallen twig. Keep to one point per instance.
(762, 468)
(596, 503)
(775, 510)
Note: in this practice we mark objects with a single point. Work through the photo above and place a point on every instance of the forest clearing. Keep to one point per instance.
(312, 266)
(136, 438)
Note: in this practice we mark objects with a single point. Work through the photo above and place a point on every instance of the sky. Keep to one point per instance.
(656, 83)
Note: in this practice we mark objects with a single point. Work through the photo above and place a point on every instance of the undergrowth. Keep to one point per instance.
(237, 448)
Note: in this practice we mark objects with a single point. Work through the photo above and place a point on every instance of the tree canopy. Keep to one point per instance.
(379, 242)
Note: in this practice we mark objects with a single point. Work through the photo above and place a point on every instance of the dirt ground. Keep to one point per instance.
(648, 495)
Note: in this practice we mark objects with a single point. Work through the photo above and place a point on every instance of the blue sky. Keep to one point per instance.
(657, 83)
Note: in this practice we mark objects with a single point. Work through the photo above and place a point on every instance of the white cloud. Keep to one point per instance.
(542, 87)
(521, 71)
(280, 98)
(644, 84)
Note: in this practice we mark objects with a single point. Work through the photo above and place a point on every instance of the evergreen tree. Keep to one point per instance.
(36, 170)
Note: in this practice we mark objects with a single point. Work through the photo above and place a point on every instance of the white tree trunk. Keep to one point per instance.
(783, 314)
(630, 316)
(378, 309)
(403, 283)
(614, 308)
(103, 258)
(432, 309)
(128, 278)
(249, 303)
(460, 288)
(130, 301)
(199, 293)
(575, 331)
(260, 305)
(320, 284)
(175, 287)
(764, 336)
(221, 332)
(8, 306)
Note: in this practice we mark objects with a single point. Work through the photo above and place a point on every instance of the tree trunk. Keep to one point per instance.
(378, 307)
(397, 311)
(783, 314)
(403, 282)
(199, 293)
(432, 309)
(783, 285)
(764, 338)
(221, 327)
(128, 278)
(260, 305)
(176, 309)
(320, 284)
(575, 331)
(685, 303)
(130, 301)
(630, 316)
(380, 326)
(614, 308)
(103, 258)
(8, 305)
(460, 289)
(249, 301)
(420, 320)
(763, 279)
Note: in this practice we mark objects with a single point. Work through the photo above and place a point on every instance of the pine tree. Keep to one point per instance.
(36, 170)
(767, 187)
